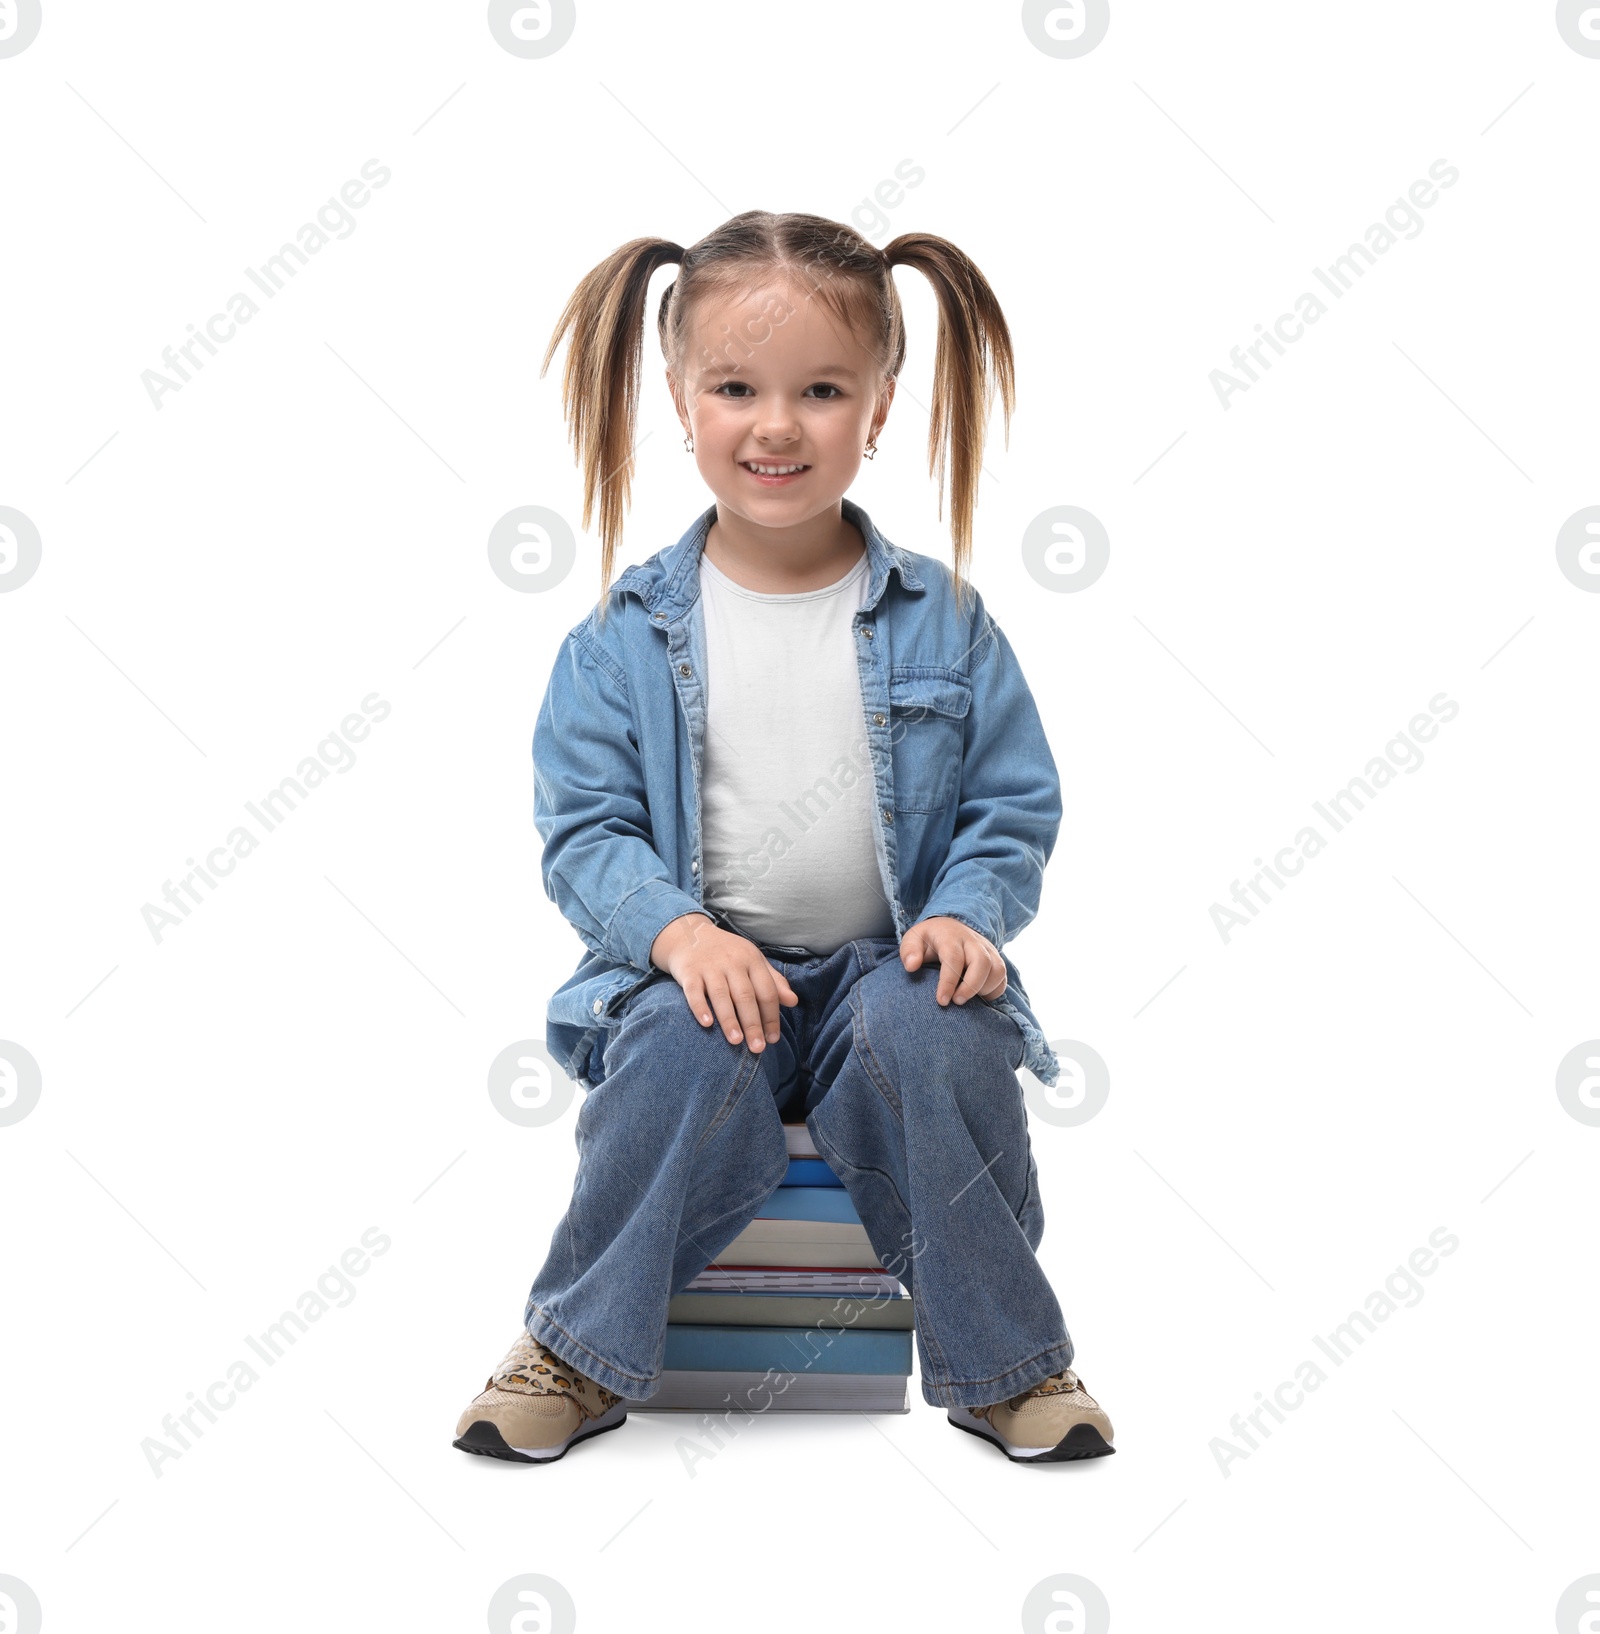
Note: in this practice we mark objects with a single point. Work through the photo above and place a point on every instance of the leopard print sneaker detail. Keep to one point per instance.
(535, 1369)
(1054, 1421)
(533, 1407)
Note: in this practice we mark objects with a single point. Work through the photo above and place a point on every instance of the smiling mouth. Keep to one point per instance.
(789, 468)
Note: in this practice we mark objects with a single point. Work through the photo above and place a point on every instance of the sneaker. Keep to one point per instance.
(534, 1407)
(1057, 1419)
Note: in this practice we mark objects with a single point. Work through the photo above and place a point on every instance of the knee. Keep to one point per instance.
(655, 1035)
(899, 1016)
(656, 1024)
(658, 1004)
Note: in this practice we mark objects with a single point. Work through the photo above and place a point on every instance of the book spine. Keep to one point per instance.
(779, 1310)
(820, 1205)
(811, 1171)
(796, 1350)
(771, 1391)
(851, 1251)
(798, 1139)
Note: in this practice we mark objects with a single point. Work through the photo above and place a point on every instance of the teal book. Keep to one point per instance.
(810, 1171)
(694, 1348)
(736, 1307)
(820, 1204)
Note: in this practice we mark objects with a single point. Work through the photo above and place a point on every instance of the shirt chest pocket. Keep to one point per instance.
(927, 722)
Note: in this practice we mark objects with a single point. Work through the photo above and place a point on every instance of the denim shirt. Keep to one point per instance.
(967, 806)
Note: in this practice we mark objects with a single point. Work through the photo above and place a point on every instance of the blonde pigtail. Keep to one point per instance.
(600, 383)
(972, 359)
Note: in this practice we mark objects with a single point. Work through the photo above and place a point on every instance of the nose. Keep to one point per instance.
(777, 422)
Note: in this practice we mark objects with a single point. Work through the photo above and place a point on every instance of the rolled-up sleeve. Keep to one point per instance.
(1009, 805)
(599, 865)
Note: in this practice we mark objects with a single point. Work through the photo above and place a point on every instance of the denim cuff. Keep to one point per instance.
(642, 915)
(971, 919)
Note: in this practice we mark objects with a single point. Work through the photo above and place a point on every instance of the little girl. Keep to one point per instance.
(795, 797)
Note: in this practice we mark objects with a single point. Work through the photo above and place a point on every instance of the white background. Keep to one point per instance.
(1291, 579)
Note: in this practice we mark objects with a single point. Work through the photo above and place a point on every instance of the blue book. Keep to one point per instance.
(810, 1171)
(692, 1348)
(819, 1203)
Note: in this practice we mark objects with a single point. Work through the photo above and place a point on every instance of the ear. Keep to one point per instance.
(884, 402)
(677, 401)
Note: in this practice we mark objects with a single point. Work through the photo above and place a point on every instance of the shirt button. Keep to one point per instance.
(694, 867)
(877, 720)
(866, 630)
(683, 669)
(888, 816)
(658, 617)
(598, 1006)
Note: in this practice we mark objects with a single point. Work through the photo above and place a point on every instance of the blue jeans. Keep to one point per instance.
(916, 1107)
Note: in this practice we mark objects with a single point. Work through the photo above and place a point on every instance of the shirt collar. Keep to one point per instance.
(669, 583)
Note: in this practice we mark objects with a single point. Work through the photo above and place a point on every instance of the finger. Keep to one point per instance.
(694, 992)
(751, 1022)
(912, 948)
(976, 975)
(952, 962)
(786, 994)
(722, 1003)
(766, 999)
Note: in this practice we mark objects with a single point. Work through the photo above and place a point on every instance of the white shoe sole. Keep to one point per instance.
(1081, 1441)
(484, 1438)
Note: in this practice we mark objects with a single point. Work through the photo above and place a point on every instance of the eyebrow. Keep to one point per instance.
(737, 374)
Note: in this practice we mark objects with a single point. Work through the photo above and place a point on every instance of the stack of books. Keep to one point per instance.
(796, 1315)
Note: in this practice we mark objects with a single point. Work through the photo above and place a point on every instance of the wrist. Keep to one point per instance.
(673, 935)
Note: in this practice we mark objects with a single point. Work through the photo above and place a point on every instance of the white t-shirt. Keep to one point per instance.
(787, 786)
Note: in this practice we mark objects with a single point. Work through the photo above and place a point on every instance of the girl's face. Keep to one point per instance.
(772, 379)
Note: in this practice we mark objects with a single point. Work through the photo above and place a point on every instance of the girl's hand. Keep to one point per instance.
(728, 974)
(968, 963)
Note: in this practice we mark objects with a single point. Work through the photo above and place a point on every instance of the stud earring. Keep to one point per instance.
(871, 450)
(688, 444)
